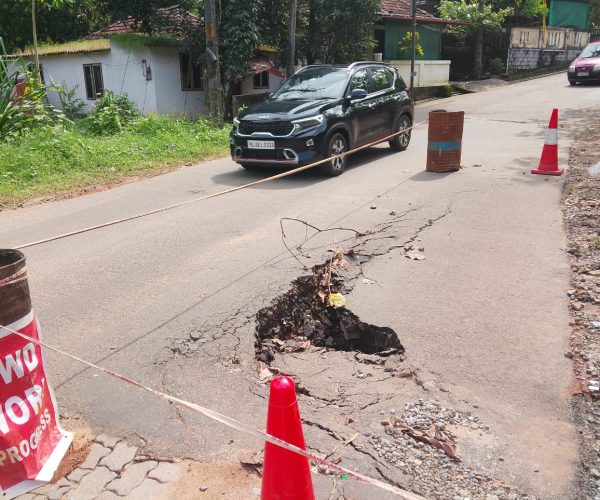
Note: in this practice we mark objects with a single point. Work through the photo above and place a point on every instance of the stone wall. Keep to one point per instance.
(527, 59)
(534, 48)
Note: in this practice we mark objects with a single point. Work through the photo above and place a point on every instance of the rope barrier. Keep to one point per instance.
(215, 195)
(20, 275)
(228, 421)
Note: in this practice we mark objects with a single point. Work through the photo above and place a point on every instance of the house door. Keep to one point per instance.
(380, 41)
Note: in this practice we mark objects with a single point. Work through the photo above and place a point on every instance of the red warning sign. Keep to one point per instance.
(32, 443)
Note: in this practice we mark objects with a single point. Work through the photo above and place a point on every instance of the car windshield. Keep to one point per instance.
(592, 50)
(316, 83)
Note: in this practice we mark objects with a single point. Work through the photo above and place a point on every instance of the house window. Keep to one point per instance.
(94, 85)
(261, 80)
(191, 73)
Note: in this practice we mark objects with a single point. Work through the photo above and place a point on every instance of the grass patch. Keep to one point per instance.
(48, 161)
(596, 242)
(68, 47)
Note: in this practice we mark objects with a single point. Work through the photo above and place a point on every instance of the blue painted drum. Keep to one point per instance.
(445, 141)
(444, 145)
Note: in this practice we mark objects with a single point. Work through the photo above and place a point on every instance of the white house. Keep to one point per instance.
(157, 75)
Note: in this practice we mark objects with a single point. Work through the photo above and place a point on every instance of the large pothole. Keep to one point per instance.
(302, 317)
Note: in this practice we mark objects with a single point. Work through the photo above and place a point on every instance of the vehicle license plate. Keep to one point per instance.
(583, 73)
(261, 144)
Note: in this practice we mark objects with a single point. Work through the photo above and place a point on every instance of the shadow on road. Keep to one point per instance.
(239, 176)
(430, 176)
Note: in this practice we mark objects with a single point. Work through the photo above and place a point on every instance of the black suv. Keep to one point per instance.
(322, 111)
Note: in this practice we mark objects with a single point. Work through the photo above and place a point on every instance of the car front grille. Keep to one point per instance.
(263, 154)
(273, 128)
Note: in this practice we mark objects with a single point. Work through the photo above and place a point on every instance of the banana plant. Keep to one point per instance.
(22, 98)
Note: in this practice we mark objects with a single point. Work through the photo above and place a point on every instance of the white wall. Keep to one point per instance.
(429, 73)
(171, 100)
(247, 85)
(555, 38)
(122, 72)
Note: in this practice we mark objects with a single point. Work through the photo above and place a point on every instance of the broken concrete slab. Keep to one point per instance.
(97, 452)
(166, 472)
(150, 490)
(92, 485)
(106, 440)
(132, 476)
(120, 456)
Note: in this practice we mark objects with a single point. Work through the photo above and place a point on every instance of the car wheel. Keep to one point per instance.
(571, 82)
(401, 141)
(336, 146)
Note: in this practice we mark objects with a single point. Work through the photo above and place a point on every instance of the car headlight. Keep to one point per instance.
(572, 69)
(597, 67)
(236, 122)
(306, 123)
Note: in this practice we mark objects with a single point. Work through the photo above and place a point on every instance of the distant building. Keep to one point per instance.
(566, 34)
(156, 72)
(395, 24)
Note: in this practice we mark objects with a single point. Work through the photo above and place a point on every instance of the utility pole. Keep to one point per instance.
(36, 56)
(215, 97)
(478, 69)
(291, 62)
(414, 47)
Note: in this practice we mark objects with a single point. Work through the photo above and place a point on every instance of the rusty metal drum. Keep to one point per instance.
(15, 302)
(444, 146)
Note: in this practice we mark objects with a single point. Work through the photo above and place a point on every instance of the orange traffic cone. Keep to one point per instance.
(286, 475)
(549, 160)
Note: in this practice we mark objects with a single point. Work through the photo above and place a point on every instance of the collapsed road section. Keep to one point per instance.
(313, 312)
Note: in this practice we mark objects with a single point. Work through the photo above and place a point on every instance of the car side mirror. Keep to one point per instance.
(358, 94)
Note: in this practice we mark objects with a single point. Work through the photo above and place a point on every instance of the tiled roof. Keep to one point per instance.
(261, 64)
(401, 9)
(173, 19)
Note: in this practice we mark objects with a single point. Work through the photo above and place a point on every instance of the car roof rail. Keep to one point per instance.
(367, 63)
(349, 66)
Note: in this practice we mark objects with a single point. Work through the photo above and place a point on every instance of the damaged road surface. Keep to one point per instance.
(443, 373)
(306, 315)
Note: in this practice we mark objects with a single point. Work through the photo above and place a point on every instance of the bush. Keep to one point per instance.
(113, 113)
(72, 106)
(496, 66)
(22, 101)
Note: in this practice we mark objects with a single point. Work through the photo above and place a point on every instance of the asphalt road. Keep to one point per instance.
(484, 317)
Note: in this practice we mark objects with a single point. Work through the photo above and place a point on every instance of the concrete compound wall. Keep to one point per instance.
(429, 73)
(531, 48)
(122, 72)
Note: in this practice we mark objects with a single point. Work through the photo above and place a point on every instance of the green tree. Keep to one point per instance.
(55, 23)
(274, 21)
(595, 14)
(239, 35)
(485, 17)
(337, 31)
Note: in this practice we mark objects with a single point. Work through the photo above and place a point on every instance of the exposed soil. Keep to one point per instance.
(217, 481)
(581, 205)
(304, 316)
(77, 453)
